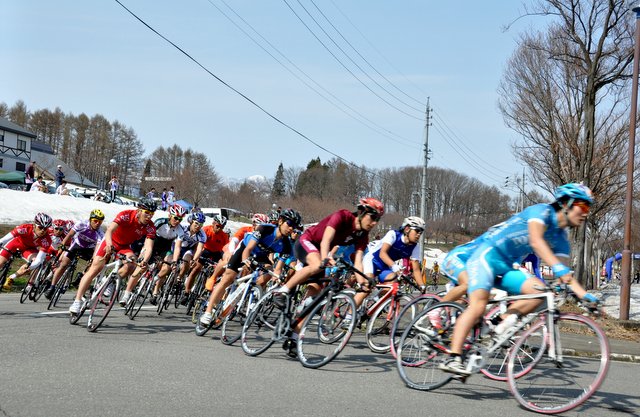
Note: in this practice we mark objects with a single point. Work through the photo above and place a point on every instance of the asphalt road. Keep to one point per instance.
(156, 366)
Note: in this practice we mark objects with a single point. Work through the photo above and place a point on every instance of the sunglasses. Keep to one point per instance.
(375, 216)
(195, 223)
(59, 228)
(291, 223)
(38, 227)
(418, 230)
(218, 225)
(177, 218)
(96, 220)
(582, 205)
(147, 212)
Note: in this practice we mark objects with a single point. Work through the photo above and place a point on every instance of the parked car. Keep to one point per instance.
(3, 185)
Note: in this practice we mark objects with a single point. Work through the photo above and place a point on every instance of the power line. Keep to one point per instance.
(365, 60)
(240, 93)
(378, 128)
(378, 51)
(462, 143)
(344, 66)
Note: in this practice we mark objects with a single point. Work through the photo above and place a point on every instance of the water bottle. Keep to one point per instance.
(303, 305)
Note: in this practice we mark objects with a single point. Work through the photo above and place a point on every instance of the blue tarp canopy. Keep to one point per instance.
(185, 204)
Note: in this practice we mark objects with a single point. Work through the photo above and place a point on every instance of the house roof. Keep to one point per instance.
(12, 127)
(48, 165)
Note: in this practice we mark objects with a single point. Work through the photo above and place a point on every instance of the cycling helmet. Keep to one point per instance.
(196, 217)
(59, 224)
(43, 220)
(96, 214)
(147, 204)
(220, 219)
(177, 210)
(413, 222)
(292, 216)
(371, 205)
(273, 216)
(69, 225)
(574, 191)
(259, 218)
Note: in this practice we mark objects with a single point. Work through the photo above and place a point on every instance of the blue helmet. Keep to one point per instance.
(198, 216)
(574, 191)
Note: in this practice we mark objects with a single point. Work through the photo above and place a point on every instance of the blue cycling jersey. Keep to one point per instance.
(265, 235)
(511, 238)
(398, 250)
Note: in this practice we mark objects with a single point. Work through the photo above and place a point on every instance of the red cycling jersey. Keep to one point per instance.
(26, 241)
(130, 229)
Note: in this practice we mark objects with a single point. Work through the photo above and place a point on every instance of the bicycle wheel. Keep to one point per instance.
(234, 321)
(260, 329)
(325, 332)
(61, 287)
(28, 289)
(100, 305)
(555, 385)
(140, 298)
(378, 330)
(406, 316)
(73, 318)
(424, 345)
(41, 283)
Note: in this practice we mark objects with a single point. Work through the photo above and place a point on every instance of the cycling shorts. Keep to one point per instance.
(488, 269)
(83, 253)
(117, 249)
(207, 254)
(454, 264)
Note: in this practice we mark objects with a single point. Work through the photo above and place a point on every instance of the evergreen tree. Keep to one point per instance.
(277, 190)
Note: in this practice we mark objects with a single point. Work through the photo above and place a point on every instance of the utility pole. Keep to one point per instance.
(522, 189)
(423, 199)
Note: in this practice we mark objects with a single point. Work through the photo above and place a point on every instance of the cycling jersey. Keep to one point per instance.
(165, 235)
(267, 243)
(85, 236)
(24, 239)
(455, 261)
(507, 244)
(238, 236)
(215, 240)
(129, 229)
(399, 249)
(343, 221)
(190, 240)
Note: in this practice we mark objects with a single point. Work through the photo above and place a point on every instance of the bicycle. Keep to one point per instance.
(324, 331)
(382, 314)
(432, 286)
(538, 347)
(64, 282)
(197, 295)
(170, 291)
(4, 271)
(39, 280)
(144, 287)
(99, 305)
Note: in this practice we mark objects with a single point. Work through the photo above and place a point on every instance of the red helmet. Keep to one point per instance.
(260, 218)
(371, 205)
(177, 210)
(60, 224)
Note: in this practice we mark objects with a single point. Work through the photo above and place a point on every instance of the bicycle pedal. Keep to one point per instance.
(461, 378)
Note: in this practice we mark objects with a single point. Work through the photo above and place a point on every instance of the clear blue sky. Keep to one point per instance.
(94, 57)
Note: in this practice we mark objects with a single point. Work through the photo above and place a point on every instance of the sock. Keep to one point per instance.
(12, 276)
(284, 289)
(294, 336)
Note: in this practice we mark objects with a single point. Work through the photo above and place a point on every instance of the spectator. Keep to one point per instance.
(62, 188)
(30, 174)
(171, 196)
(59, 176)
(163, 199)
(152, 194)
(113, 184)
(636, 278)
(39, 185)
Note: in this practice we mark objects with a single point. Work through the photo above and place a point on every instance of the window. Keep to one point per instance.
(20, 167)
(1, 136)
(1, 162)
(22, 145)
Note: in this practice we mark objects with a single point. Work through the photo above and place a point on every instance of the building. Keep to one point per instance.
(18, 147)
(15, 146)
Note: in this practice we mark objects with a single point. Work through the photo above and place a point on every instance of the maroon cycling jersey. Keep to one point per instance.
(129, 229)
(343, 221)
(26, 235)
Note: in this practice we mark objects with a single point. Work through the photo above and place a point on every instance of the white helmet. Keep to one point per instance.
(413, 222)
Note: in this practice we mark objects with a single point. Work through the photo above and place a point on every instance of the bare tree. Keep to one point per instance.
(563, 92)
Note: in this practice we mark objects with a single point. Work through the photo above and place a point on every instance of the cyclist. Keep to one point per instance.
(168, 229)
(126, 228)
(33, 240)
(435, 272)
(190, 244)
(261, 244)
(233, 244)
(540, 229)
(313, 248)
(402, 243)
(216, 240)
(81, 241)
